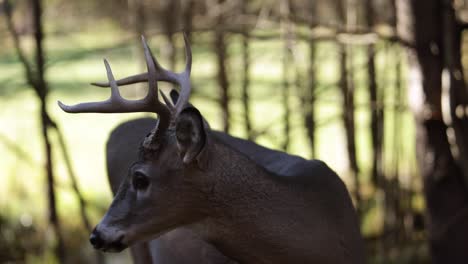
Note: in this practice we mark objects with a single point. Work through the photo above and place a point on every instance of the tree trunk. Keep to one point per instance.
(137, 17)
(46, 123)
(246, 75)
(137, 21)
(221, 58)
(444, 184)
(286, 60)
(170, 15)
(347, 91)
(452, 40)
(398, 139)
(188, 18)
(308, 96)
(375, 104)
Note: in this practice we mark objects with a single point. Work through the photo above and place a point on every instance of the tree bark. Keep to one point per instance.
(309, 96)
(246, 75)
(375, 105)
(286, 61)
(35, 77)
(188, 18)
(398, 127)
(42, 90)
(223, 82)
(444, 184)
(137, 22)
(451, 46)
(170, 15)
(348, 14)
(347, 91)
(137, 17)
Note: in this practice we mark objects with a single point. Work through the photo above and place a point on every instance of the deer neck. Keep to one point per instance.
(244, 199)
(236, 180)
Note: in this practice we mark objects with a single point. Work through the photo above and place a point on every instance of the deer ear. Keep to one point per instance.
(190, 134)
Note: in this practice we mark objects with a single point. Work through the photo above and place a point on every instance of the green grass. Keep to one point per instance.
(75, 60)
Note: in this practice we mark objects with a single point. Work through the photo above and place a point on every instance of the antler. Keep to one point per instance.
(182, 79)
(150, 103)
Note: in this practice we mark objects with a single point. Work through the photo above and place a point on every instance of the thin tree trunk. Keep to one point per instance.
(246, 75)
(82, 202)
(384, 183)
(308, 97)
(376, 107)
(391, 185)
(140, 17)
(451, 43)
(73, 178)
(286, 61)
(376, 113)
(188, 18)
(347, 13)
(42, 90)
(170, 15)
(402, 199)
(53, 216)
(37, 81)
(137, 21)
(347, 91)
(398, 128)
(221, 58)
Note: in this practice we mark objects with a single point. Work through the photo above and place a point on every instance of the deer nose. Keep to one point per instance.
(96, 240)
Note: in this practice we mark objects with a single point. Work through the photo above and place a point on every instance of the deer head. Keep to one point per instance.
(162, 190)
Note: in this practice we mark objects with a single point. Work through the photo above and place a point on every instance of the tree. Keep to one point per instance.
(440, 143)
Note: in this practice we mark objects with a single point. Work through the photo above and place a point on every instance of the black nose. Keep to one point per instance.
(95, 239)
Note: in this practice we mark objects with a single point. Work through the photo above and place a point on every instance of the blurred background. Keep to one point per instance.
(375, 88)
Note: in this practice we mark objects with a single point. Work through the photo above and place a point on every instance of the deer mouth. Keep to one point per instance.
(114, 247)
(101, 244)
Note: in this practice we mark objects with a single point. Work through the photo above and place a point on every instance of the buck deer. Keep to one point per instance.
(253, 204)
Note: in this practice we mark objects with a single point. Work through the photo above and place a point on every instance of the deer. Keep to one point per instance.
(251, 203)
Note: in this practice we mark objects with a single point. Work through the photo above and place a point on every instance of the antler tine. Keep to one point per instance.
(138, 78)
(162, 74)
(151, 66)
(182, 79)
(188, 54)
(111, 105)
(115, 93)
(168, 102)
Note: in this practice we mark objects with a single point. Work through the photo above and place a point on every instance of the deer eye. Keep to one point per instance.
(140, 181)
